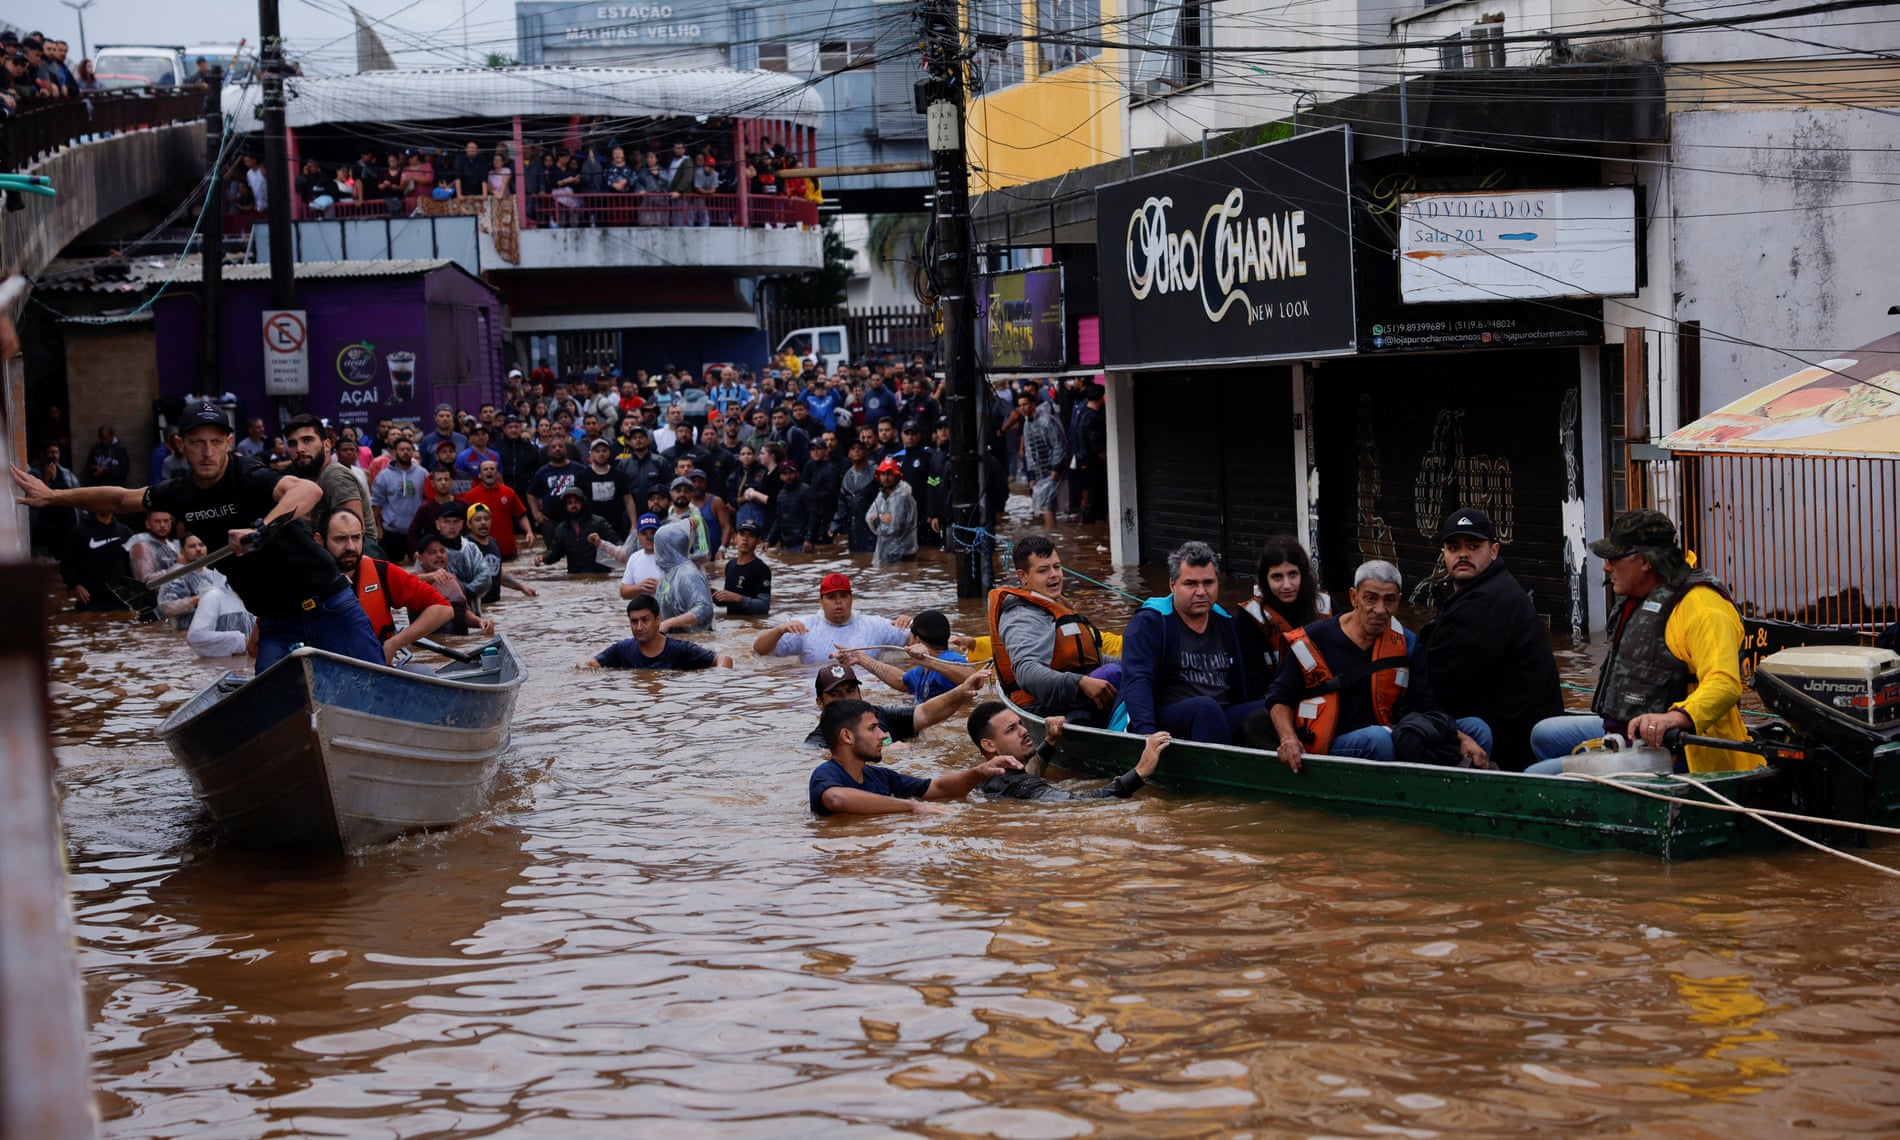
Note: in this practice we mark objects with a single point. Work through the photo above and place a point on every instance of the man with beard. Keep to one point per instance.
(681, 507)
(998, 730)
(550, 483)
(311, 458)
(480, 536)
(383, 586)
(643, 467)
(464, 560)
(851, 782)
(1489, 649)
(609, 493)
(441, 497)
(520, 458)
(570, 536)
(154, 551)
(396, 494)
(499, 499)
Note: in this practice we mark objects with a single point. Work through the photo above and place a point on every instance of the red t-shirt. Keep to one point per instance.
(399, 590)
(504, 507)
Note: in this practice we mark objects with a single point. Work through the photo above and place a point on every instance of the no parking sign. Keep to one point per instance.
(286, 353)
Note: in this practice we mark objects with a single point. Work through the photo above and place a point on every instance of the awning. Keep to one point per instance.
(1847, 406)
(499, 93)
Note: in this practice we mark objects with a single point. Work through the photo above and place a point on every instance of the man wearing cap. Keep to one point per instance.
(643, 468)
(550, 482)
(892, 515)
(748, 579)
(833, 627)
(1489, 650)
(444, 429)
(680, 509)
(571, 535)
(480, 536)
(650, 648)
(1675, 653)
(608, 490)
(839, 682)
(792, 522)
(642, 575)
(290, 582)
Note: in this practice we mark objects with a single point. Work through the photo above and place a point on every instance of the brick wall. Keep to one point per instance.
(112, 378)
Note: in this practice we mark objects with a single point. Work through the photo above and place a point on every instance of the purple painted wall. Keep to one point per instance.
(448, 320)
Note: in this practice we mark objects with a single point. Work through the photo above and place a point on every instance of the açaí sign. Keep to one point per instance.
(1243, 257)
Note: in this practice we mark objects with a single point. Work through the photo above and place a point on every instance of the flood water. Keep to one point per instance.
(650, 935)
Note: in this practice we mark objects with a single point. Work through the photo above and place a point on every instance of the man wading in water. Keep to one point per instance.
(290, 582)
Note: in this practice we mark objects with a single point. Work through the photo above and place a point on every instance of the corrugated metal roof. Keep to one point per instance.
(437, 94)
(193, 272)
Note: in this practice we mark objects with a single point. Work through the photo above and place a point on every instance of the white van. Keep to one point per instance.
(828, 345)
(140, 65)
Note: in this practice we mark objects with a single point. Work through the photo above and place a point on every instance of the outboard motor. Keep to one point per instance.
(1846, 699)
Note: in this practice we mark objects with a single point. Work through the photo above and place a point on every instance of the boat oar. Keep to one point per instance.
(462, 655)
(1675, 739)
(142, 596)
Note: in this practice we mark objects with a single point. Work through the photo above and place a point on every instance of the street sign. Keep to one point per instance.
(286, 353)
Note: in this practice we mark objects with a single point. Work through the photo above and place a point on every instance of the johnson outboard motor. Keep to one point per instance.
(1844, 696)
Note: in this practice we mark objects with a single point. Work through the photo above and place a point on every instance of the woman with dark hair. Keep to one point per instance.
(1286, 593)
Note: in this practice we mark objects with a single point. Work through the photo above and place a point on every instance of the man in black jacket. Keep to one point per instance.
(1489, 650)
(95, 556)
(998, 730)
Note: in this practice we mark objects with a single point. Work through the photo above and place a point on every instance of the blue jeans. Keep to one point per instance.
(337, 624)
(1204, 719)
(1556, 737)
(1374, 742)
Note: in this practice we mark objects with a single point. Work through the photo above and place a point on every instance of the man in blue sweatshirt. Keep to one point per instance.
(1185, 661)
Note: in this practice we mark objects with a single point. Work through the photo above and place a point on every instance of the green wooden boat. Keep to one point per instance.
(1555, 811)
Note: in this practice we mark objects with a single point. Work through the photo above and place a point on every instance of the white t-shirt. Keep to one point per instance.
(640, 567)
(822, 637)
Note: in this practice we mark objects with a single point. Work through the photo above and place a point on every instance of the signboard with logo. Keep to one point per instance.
(1494, 245)
(1245, 257)
(286, 353)
(1019, 320)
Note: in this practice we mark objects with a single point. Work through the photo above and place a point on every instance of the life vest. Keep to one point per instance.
(1078, 643)
(373, 597)
(1317, 716)
(1640, 675)
(1275, 628)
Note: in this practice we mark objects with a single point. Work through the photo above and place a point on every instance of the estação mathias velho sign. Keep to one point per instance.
(1243, 257)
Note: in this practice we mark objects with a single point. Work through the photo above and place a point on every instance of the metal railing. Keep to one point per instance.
(583, 210)
(45, 127)
(1795, 538)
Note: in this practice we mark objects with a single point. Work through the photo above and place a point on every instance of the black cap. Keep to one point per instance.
(748, 526)
(911, 425)
(1466, 521)
(203, 414)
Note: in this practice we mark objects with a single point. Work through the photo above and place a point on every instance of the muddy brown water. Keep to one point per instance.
(649, 935)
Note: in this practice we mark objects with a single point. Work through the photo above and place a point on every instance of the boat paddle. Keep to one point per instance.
(140, 597)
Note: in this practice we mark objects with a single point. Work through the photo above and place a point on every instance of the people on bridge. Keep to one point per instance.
(1345, 683)
(1675, 661)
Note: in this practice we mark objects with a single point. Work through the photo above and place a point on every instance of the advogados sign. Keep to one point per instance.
(1245, 257)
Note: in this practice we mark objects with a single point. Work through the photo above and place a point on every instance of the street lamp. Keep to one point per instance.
(80, 7)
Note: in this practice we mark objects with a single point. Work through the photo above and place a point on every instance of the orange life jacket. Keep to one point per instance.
(1078, 642)
(1317, 716)
(1273, 627)
(374, 598)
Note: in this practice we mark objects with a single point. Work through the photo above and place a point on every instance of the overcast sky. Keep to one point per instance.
(422, 33)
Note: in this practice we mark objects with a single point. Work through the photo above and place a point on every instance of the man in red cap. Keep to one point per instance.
(816, 639)
(892, 516)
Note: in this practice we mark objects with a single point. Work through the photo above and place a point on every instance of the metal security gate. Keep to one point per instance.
(1403, 440)
(1213, 462)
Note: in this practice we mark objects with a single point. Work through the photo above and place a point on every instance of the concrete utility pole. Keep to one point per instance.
(963, 394)
(79, 7)
(270, 66)
(211, 246)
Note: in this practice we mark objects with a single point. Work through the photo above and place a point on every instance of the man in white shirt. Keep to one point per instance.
(817, 639)
(642, 575)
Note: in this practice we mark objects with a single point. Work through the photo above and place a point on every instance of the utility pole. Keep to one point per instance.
(963, 396)
(79, 7)
(270, 66)
(211, 246)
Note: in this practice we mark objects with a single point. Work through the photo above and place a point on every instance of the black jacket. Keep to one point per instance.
(1491, 659)
(95, 555)
(567, 536)
(793, 521)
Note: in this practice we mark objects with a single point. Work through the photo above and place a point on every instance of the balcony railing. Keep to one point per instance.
(581, 211)
(44, 128)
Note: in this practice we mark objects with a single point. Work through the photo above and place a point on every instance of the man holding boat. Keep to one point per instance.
(851, 782)
(1049, 658)
(289, 581)
(1675, 654)
(382, 587)
(998, 730)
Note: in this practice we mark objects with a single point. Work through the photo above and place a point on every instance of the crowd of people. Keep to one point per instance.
(34, 73)
(676, 486)
(684, 181)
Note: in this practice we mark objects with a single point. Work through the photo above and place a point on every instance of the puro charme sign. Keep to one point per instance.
(1243, 257)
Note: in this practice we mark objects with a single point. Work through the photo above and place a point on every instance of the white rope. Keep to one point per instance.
(1761, 815)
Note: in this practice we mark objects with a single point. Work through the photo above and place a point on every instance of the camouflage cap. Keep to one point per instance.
(1637, 532)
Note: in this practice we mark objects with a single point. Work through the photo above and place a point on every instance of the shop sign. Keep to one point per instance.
(1019, 320)
(1497, 245)
(1245, 257)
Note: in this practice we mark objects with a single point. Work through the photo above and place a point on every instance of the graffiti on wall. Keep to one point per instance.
(1449, 477)
(1369, 526)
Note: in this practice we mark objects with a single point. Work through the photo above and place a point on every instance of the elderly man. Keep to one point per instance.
(1185, 660)
(1049, 658)
(1489, 649)
(834, 627)
(1675, 653)
(1346, 681)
